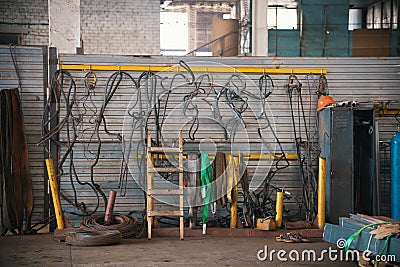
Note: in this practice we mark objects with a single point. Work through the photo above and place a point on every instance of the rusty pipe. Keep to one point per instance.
(110, 207)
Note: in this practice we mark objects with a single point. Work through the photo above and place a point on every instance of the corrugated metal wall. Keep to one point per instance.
(367, 80)
(31, 63)
(362, 79)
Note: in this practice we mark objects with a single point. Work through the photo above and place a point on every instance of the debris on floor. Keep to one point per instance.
(291, 237)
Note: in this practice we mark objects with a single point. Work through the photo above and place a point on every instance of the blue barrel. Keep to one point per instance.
(395, 175)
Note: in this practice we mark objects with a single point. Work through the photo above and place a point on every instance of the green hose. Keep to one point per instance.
(206, 179)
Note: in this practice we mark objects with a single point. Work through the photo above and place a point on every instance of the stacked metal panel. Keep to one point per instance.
(353, 233)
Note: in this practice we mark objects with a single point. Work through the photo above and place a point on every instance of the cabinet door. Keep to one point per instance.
(341, 168)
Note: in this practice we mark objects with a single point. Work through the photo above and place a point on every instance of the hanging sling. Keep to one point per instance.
(16, 196)
(220, 178)
(206, 186)
(193, 181)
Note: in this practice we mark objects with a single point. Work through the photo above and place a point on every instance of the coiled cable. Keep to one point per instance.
(127, 225)
(87, 238)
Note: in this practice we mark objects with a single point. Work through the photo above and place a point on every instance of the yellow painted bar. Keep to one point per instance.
(54, 193)
(260, 70)
(383, 111)
(279, 209)
(321, 192)
(254, 156)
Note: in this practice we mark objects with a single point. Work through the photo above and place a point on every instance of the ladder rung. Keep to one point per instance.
(165, 149)
(165, 191)
(164, 169)
(151, 213)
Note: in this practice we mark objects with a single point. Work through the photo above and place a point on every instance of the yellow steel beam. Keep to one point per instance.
(156, 68)
(252, 156)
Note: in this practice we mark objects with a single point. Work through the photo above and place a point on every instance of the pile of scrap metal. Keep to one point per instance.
(16, 197)
(377, 237)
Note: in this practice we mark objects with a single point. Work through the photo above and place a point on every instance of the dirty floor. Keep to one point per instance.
(43, 250)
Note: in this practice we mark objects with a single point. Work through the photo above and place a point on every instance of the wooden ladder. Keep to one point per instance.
(151, 191)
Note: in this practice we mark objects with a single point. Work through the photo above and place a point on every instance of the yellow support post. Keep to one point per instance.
(321, 192)
(54, 193)
(234, 192)
(279, 209)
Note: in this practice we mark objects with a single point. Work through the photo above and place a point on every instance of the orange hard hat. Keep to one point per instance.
(324, 101)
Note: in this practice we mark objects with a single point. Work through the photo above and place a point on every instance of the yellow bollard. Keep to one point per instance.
(321, 192)
(54, 193)
(279, 209)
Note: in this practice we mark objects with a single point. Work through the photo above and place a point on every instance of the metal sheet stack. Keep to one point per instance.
(377, 235)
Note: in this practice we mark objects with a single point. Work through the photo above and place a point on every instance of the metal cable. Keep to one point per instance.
(87, 238)
(127, 225)
(12, 47)
(305, 160)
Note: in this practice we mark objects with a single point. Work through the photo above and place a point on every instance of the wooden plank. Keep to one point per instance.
(165, 169)
(150, 180)
(165, 149)
(153, 213)
(165, 191)
(364, 218)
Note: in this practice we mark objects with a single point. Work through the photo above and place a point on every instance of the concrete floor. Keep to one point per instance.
(43, 250)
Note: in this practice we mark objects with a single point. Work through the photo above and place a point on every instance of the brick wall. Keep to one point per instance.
(107, 27)
(28, 17)
(121, 27)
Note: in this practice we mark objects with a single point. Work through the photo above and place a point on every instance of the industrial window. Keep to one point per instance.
(383, 15)
(355, 18)
(173, 33)
(279, 17)
(10, 38)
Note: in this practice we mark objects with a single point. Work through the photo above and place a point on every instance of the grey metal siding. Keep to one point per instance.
(32, 67)
(361, 79)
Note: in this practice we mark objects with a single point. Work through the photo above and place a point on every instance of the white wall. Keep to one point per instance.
(64, 25)
(259, 28)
